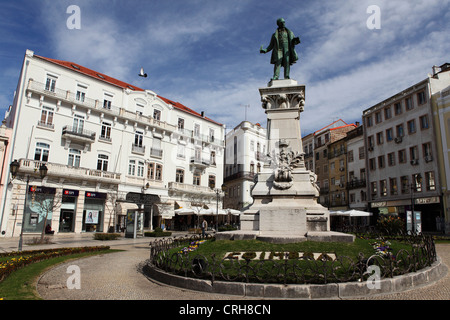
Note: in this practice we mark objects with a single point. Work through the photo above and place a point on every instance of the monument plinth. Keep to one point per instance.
(285, 194)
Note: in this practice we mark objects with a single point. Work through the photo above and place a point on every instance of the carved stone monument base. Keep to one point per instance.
(285, 194)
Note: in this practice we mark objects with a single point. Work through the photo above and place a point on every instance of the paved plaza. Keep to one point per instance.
(117, 276)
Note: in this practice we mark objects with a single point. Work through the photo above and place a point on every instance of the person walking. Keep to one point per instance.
(204, 227)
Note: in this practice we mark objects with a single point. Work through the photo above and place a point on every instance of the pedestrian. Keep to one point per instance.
(204, 227)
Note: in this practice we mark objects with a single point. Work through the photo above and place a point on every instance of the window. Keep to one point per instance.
(151, 171)
(380, 138)
(78, 123)
(424, 124)
(50, 84)
(350, 156)
(413, 153)
(138, 138)
(381, 162)
(42, 151)
(212, 181)
(426, 147)
(179, 176)
(429, 181)
(106, 131)
(372, 164)
(211, 135)
(421, 97)
(405, 184)
(391, 159)
(180, 124)
(74, 158)
(393, 186)
(139, 109)
(383, 188)
(378, 117)
(196, 130)
(397, 108)
(46, 117)
(140, 169)
(370, 142)
(81, 93)
(411, 126)
(131, 167)
(400, 131)
(402, 156)
(213, 158)
(369, 121)
(409, 103)
(197, 178)
(154, 171)
(102, 162)
(107, 101)
(373, 189)
(389, 135)
(387, 113)
(417, 182)
(362, 154)
(157, 114)
(252, 145)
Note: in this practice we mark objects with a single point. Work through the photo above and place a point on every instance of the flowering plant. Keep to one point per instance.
(192, 247)
(382, 248)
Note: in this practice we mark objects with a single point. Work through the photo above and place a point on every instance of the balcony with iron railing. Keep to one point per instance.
(28, 166)
(97, 105)
(138, 149)
(156, 153)
(78, 133)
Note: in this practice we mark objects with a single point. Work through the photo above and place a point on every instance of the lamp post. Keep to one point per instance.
(417, 180)
(217, 191)
(14, 168)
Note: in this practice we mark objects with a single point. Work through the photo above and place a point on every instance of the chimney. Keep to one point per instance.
(203, 114)
(436, 69)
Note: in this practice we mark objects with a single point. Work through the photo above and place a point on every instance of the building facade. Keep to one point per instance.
(245, 155)
(402, 154)
(109, 147)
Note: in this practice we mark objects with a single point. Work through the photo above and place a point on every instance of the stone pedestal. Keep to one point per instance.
(285, 194)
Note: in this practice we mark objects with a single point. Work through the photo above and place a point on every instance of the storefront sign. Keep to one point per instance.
(379, 204)
(427, 200)
(69, 192)
(95, 195)
(39, 189)
(141, 198)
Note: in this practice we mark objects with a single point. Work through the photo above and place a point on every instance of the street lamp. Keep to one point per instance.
(417, 181)
(14, 168)
(218, 191)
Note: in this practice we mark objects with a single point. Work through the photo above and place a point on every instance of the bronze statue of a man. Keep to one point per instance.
(282, 44)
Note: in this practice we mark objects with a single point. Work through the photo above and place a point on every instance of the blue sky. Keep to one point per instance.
(205, 53)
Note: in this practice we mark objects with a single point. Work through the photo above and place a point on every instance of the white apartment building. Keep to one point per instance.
(109, 147)
(246, 147)
(402, 166)
(356, 170)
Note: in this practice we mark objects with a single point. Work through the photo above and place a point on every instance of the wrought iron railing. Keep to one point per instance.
(289, 268)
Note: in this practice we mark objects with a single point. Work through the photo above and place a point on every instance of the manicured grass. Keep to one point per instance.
(21, 284)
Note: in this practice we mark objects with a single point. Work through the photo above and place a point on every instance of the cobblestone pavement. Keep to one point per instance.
(117, 276)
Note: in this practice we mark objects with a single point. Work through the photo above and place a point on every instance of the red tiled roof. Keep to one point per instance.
(105, 78)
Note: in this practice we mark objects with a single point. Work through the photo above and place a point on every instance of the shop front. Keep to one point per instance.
(93, 211)
(68, 210)
(427, 212)
(39, 208)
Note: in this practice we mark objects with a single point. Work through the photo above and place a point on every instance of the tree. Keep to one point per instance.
(45, 203)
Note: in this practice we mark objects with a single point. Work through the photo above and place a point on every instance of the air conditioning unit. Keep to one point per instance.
(428, 158)
(414, 162)
(370, 148)
(398, 139)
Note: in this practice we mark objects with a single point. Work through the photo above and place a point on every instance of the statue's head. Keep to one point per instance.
(281, 22)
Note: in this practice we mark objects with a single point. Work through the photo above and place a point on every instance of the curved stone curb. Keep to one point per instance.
(345, 290)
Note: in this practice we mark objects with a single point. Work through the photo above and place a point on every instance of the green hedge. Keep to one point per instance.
(106, 236)
(158, 232)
